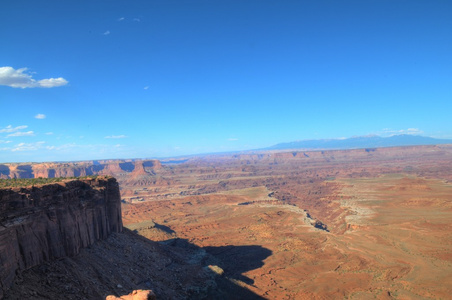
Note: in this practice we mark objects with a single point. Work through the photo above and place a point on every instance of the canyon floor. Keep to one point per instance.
(355, 224)
(346, 224)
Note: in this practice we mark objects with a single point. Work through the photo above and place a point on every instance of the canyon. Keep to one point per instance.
(333, 224)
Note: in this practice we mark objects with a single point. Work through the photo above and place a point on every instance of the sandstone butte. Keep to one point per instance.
(48, 222)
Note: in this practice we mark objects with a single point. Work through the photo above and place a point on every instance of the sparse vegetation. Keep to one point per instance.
(23, 182)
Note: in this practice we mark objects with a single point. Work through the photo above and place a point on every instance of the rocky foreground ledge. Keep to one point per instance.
(45, 222)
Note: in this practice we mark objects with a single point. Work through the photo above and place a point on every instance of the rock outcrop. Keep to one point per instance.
(135, 295)
(42, 223)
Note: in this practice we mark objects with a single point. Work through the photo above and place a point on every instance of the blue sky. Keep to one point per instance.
(86, 80)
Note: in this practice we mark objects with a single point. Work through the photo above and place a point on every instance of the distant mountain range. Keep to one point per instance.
(373, 141)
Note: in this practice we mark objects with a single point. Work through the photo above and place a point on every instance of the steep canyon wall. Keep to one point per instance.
(41, 223)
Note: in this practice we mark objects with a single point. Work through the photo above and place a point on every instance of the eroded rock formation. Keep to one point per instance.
(75, 169)
(135, 295)
(41, 223)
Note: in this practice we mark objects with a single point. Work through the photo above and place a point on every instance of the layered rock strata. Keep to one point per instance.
(42, 223)
(74, 169)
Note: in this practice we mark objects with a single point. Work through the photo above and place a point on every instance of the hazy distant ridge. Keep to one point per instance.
(361, 142)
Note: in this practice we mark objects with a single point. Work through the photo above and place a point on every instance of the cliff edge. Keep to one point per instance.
(42, 223)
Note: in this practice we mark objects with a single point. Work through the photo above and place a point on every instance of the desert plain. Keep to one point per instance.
(371, 223)
(348, 224)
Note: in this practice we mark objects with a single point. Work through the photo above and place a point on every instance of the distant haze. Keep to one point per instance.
(361, 142)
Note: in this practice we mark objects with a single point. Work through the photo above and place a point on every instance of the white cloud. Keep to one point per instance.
(22, 133)
(116, 136)
(136, 19)
(20, 79)
(4, 142)
(40, 116)
(10, 128)
(413, 131)
(121, 19)
(146, 87)
(28, 146)
(232, 139)
(107, 32)
(49, 133)
(39, 145)
(52, 82)
(65, 147)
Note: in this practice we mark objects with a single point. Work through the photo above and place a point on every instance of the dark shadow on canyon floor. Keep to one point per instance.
(236, 260)
(164, 228)
(173, 269)
(227, 265)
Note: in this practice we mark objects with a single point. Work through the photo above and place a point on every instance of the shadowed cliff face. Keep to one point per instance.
(41, 223)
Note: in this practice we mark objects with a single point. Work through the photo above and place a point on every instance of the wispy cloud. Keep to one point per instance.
(21, 79)
(64, 147)
(232, 139)
(136, 19)
(121, 19)
(146, 87)
(30, 151)
(10, 128)
(40, 116)
(413, 131)
(28, 146)
(21, 133)
(4, 142)
(107, 32)
(116, 136)
(49, 133)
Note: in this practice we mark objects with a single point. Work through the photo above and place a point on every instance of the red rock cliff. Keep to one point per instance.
(75, 169)
(42, 223)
